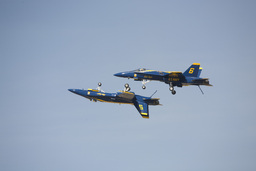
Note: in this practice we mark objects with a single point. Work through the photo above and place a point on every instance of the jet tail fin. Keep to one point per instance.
(142, 107)
(193, 71)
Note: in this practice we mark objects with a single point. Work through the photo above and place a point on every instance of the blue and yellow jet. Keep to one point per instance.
(122, 97)
(174, 78)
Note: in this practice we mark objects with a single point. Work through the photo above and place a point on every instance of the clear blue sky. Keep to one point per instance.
(47, 47)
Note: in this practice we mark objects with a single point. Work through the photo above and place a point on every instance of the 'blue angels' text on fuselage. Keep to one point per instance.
(174, 78)
(122, 97)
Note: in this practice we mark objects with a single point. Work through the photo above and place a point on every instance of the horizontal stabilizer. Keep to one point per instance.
(201, 81)
(152, 101)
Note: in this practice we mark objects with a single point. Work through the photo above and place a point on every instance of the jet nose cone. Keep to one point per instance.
(118, 74)
(71, 90)
(122, 74)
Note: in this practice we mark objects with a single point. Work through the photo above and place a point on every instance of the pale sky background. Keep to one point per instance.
(47, 47)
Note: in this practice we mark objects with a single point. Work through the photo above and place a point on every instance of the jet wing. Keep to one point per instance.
(155, 73)
(158, 73)
(142, 107)
(126, 95)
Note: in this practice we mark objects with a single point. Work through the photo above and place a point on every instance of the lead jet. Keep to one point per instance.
(174, 78)
(122, 97)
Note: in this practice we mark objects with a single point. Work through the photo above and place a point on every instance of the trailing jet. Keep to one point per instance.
(174, 78)
(122, 97)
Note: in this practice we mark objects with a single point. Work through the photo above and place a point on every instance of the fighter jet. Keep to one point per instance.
(174, 78)
(122, 97)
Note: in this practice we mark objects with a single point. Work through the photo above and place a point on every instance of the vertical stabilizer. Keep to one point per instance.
(142, 107)
(193, 70)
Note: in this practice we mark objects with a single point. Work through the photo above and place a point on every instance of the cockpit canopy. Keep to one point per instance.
(141, 69)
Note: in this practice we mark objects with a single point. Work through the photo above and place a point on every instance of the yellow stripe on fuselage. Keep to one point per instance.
(93, 90)
(125, 92)
(149, 70)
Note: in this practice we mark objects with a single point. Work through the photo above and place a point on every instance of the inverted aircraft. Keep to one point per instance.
(122, 97)
(174, 78)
